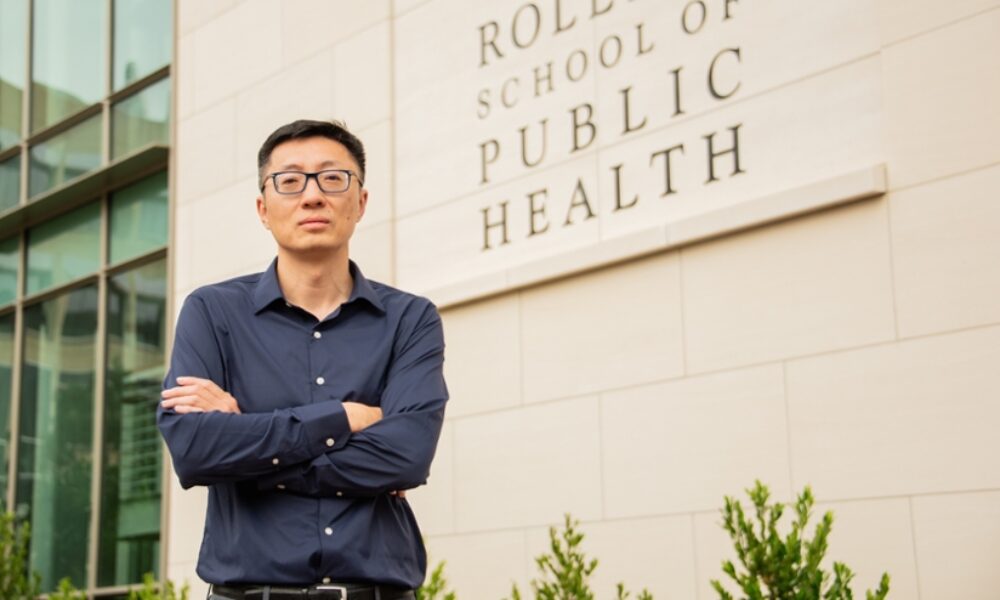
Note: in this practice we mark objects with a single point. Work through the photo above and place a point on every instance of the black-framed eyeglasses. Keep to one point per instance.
(330, 181)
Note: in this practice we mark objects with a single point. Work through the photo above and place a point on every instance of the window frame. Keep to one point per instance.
(95, 186)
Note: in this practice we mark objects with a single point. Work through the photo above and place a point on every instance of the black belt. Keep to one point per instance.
(326, 591)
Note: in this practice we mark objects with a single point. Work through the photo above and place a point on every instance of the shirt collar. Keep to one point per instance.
(267, 289)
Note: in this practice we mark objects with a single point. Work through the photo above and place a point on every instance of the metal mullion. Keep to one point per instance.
(166, 466)
(109, 50)
(100, 356)
(15, 393)
(139, 84)
(100, 360)
(63, 125)
(10, 152)
(22, 196)
(60, 290)
(26, 103)
(138, 261)
(115, 590)
(109, 65)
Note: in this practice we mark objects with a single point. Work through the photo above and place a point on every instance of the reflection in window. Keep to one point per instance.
(10, 181)
(65, 157)
(64, 248)
(143, 38)
(10, 255)
(59, 86)
(6, 372)
(130, 501)
(139, 218)
(13, 18)
(141, 119)
(55, 437)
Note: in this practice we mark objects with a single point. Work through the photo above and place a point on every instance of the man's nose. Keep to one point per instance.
(312, 194)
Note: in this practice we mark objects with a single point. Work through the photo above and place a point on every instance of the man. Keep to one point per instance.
(307, 398)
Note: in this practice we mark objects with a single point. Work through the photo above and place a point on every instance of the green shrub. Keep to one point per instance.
(67, 591)
(435, 587)
(783, 568)
(150, 590)
(566, 571)
(15, 582)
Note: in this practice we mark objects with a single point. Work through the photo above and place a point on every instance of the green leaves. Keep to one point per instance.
(434, 588)
(776, 567)
(150, 590)
(67, 591)
(566, 570)
(15, 582)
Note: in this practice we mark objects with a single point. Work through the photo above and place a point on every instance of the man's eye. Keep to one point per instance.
(290, 180)
(334, 177)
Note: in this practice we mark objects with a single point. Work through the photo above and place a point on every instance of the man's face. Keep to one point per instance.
(312, 221)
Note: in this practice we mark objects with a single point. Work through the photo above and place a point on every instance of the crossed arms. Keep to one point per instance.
(327, 448)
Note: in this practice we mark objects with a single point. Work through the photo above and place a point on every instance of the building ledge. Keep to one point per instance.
(84, 188)
(843, 189)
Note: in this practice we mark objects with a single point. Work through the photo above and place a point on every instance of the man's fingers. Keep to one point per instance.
(184, 409)
(199, 397)
(180, 401)
(181, 390)
(200, 383)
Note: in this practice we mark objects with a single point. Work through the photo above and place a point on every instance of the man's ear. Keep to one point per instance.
(262, 212)
(362, 203)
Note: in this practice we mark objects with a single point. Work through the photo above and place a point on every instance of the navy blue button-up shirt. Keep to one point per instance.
(294, 496)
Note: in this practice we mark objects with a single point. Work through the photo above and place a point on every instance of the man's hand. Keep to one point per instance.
(360, 416)
(194, 394)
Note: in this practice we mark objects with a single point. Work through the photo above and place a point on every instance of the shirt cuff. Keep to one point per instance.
(325, 424)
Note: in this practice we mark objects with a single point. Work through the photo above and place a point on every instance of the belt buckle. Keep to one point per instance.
(335, 588)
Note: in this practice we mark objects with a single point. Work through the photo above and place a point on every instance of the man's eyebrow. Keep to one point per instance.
(298, 166)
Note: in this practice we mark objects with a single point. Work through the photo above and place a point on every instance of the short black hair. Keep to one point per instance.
(305, 128)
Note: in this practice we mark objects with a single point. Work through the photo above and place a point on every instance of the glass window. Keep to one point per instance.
(139, 218)
(130, 499)
(60, 86)
(10, 181)
(55, 437)
(64, 248)
(143, 38)
(9, 261)
(6, 371)
(13, 19)
(141, 119)
(65, 157)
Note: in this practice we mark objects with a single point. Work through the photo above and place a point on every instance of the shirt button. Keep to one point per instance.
(340, 494)
(281, 486)
(328, 531)
(320, 381)
(275, 461)
(317, 335)
(326, 580)
(330, 442)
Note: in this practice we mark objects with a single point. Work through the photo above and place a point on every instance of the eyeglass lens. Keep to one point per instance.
(294, 182)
